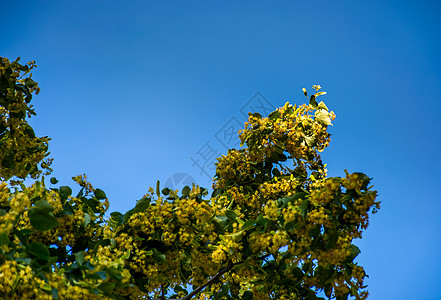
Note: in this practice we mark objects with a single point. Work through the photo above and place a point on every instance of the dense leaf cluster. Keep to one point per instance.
(22, 153)
(275, 227)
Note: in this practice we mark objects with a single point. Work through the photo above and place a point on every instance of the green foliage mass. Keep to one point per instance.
(275, 227)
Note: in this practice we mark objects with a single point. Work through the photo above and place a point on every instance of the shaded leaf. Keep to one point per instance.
(99, 194)
(159, 256)
(107, 286)
(39, 250)
(231, 214)
(312, 101)
(4, 239)
(364, 178)
(186, 191)
(98, 275)
(65, 190)
(41, 216)
(304, 207)
(79, 256)
(332, 241)
(30, 83)
(166, 191)
(274, 115)
(355, 251)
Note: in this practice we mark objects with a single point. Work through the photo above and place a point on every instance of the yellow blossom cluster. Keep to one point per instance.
(275, 227)
(22, 153)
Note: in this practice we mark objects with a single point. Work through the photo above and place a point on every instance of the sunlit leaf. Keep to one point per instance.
(323, 117)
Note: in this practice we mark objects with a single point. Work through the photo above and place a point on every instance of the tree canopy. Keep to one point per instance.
(275, 227)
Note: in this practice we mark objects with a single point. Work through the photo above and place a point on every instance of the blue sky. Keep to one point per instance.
(132, 91)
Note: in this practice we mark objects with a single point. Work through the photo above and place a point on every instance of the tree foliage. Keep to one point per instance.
(275, 227)
(22, 154)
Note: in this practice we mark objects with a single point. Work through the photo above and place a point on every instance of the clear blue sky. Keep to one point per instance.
(133, 90)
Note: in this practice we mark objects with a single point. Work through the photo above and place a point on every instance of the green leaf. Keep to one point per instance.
(274, 115)
(322, 105)
(179, 289)
(22, 88)
(54, 180)
(79, 256)
(235, 235)
(249, 223)
(276, 172)
(309, 140)
(261, 220)
(39, 250)
(8, 161)
(126, 254)
(142, 204)
(231, 214)
(99, 194)
(87, 219)
(332, 241)
(186, 191)
(322, 116)
(166, 191)
(158, 193)
(54, 293)
(216, 192)
(141, 283)
(342, 297)
(4, 239)
(23, 235)
(328, 290)
(159, 256)
(46, 287)
(65, 190)
(283, 202)
(304, 207)
(355, 251)
(314, 232)
(30, 83)
(107, 286)
(114, 274)
(247, 295)
(117, 217)
(3, 126)
(306, 267)
(364, 178)
(23, 260)
(29, 131)
(98, 275)
(312, 101)
(220, 222)
(41, 216)
(2, 212)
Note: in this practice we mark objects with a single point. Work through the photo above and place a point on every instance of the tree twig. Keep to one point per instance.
(209, 282)
(213, 279)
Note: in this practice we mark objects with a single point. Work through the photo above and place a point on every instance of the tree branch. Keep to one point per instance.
(208, 283)
(212, 280)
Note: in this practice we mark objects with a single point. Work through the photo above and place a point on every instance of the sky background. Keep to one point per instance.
(136, 91)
